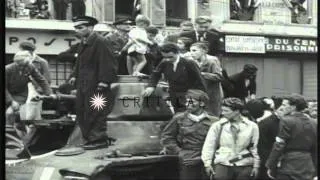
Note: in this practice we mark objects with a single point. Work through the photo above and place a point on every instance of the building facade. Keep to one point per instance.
(281, 42)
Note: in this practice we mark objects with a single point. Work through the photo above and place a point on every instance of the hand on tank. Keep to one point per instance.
(148, 91)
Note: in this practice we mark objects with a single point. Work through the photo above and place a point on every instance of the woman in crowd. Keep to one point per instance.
(211, 71)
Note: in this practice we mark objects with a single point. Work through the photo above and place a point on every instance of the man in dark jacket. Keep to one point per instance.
(185, 134)
(294, 153)
(243, 83)
(94, 72)
(268, 130)
(203, 32)
(181, 74)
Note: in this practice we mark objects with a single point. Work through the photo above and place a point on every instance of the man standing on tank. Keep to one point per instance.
(94, 71)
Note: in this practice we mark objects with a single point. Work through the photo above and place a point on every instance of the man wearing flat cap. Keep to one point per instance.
(243, 84)
(94, 72)
(203, 32)
(185, 134)
(295, 146)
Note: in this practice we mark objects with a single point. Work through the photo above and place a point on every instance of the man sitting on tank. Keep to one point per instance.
(186, 132)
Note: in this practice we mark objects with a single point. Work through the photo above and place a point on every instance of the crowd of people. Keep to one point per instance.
(220, 129)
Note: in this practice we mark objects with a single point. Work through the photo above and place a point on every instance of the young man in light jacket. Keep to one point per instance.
(231, 144)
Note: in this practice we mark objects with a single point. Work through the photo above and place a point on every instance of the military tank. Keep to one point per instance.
(134, 127)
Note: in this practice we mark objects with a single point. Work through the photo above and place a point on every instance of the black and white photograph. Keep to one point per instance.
(160, 90)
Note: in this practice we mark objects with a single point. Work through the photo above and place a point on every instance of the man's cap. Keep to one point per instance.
(203, 19)
(21, 55)
(197, 94)
(250, 68)
(26, 45)
(233, 102)
(84, 20)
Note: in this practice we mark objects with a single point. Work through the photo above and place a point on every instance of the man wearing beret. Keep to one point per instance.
(243, 84)
(230, 149)
(294, 153)
(203, 32)
(185, 134)
(94, 72)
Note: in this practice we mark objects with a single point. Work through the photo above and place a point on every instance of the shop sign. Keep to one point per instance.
(46, 42)
(295, 45)
(244, 44)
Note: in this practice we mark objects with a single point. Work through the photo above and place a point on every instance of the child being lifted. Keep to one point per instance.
(137, 46)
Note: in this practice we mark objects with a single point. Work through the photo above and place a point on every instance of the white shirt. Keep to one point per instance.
(175, 64)
(248, 133)
(138, 33)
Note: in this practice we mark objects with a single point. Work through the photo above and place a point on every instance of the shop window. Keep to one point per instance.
(59, 71)
(27, 9)
(45, 9)
(127, 9)
(176, 12)
(242, 10)
(300, 11)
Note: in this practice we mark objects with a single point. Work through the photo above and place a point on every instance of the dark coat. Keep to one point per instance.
(212, 36)
(153, 57)
(239, 88)
(268, 130)
(187, 76)
(95, 63)
(299, 152)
